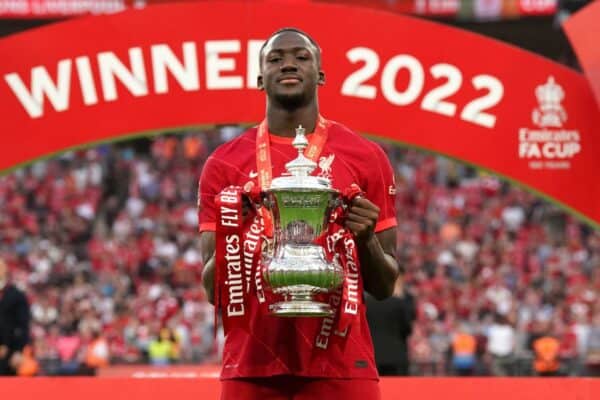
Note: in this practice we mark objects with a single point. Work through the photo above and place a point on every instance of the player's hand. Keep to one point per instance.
(246, 207)
(251, 194)
(361, 218)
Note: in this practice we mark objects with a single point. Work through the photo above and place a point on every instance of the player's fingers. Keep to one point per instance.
(364, 212)
(358, 219)
(365, 203)
(354, 227)
(358, 229)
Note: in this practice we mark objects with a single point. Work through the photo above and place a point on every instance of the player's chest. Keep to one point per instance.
(329, 165)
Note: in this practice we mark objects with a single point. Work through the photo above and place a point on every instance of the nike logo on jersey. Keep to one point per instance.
(253, 174)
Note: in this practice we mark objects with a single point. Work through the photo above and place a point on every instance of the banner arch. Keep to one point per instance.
(402, 79)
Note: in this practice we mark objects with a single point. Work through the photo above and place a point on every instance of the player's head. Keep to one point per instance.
(290, 68)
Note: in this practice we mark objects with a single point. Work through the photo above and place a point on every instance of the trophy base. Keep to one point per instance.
(301, 309)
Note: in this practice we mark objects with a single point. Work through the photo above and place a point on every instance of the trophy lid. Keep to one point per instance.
(299, 170)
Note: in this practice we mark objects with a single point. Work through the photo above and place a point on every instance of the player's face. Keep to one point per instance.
(290, 70)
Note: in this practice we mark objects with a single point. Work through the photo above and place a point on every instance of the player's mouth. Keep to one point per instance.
(289, 80)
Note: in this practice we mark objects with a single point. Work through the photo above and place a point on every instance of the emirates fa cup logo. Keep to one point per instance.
(550, 145)
(549, 113)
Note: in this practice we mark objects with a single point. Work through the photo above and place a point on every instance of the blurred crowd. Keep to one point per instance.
(493, 269)
(104, 243)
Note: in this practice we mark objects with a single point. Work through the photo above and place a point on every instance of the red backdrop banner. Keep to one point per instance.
(398, 78)
(391, 388)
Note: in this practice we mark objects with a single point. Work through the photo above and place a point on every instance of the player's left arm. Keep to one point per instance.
(372, 219)
(376, 251)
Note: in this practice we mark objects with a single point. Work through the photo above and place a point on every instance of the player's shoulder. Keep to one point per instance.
(233, 148)
(339, 130)
(344, 136)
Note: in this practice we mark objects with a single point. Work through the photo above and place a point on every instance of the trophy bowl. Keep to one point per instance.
(297, 267)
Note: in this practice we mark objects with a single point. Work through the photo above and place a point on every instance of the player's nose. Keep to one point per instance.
(288, 64)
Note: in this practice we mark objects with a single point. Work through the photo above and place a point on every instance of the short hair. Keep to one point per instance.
(295, 30)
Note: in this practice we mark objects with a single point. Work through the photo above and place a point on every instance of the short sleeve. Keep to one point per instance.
(381, 188)
(210, 184)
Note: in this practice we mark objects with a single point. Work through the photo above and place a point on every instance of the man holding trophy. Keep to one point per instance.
(293, 228)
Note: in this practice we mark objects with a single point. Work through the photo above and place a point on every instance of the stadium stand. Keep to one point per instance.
(103, 240)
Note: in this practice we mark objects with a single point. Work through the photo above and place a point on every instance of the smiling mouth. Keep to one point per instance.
(289, 81)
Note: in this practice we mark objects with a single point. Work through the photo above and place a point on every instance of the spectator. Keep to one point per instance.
(440, 344)
(164, 349)
(14, 324)
(464, 347)
(68, 346)
(546, 356)
(593, 347)
(420, 349)
(501, 346)
(97, 354)
(390, 322)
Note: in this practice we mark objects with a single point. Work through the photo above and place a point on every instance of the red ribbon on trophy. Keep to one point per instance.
(233, 276)
(339, 245)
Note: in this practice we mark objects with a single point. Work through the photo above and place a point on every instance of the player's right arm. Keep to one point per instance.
(207, 252)
(211, 183)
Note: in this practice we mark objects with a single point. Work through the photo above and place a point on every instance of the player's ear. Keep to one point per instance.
(321, 80)
(259, 83)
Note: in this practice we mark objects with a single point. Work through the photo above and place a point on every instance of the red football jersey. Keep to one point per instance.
(275, 345)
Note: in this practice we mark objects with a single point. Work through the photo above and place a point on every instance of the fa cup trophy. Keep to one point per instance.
(297, 267)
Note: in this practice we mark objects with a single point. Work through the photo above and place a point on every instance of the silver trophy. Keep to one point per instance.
(295, 266)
